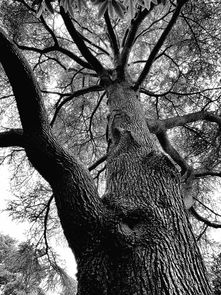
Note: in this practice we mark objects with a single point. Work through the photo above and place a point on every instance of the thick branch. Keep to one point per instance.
(12, 137)
(207, 173)
(92, 60)
(129, 37)
(27, 97)
(156, 126)
(193, 117)
(76, 196)
(170, 150)
(112, 36)
(159, 128)
(159, 44)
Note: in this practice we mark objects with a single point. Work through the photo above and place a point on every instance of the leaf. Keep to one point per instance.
(122, 6)
(96, 2)
(118, 7)
(131, 8)
(110, 9)
(147, 4)
(102, 9)
(70, 6)
(64, 4)
(36, 2)
(80, 6)
(155, 2)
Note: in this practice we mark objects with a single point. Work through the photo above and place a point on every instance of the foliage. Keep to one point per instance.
(23, 270)
(113, 7)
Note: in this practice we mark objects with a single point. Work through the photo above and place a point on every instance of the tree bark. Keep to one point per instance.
(153, 250)
(136, 239)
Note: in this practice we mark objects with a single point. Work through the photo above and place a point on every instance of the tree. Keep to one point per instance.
(137, 238)
(23, 271)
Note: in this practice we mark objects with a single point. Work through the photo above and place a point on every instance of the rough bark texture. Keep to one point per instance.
(137, 238)
(152, 249)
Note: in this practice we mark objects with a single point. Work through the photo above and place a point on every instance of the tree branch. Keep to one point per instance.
(112, 36)
(129, 38)
(12, 137)
(46, 222)
(159, 44)
(193, 117)
(92, 60)
(207, 173)
(27, 98)
(50, 31)
(170, 150)
(159, 128)
(59, 49)
(156, 126)
(73, 95)
(203, 219)
(98, 162)
(77, 200)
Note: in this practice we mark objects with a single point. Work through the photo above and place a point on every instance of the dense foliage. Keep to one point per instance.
(23, 270)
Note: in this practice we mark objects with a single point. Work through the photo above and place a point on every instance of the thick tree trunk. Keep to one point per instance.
(147, 246)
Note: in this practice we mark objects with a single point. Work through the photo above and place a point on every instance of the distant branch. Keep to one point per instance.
(98, 162)
(50, 31)
(208, 208)
(73, 95)
(203, 219)
(202, 232)
(59, 49)
(159, 44)
(46, 221)
(94, 111)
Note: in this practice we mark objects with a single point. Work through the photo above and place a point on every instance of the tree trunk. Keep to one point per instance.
(146, 245)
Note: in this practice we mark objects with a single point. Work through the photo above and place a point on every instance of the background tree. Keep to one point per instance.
(23, 270)
(163, 54)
